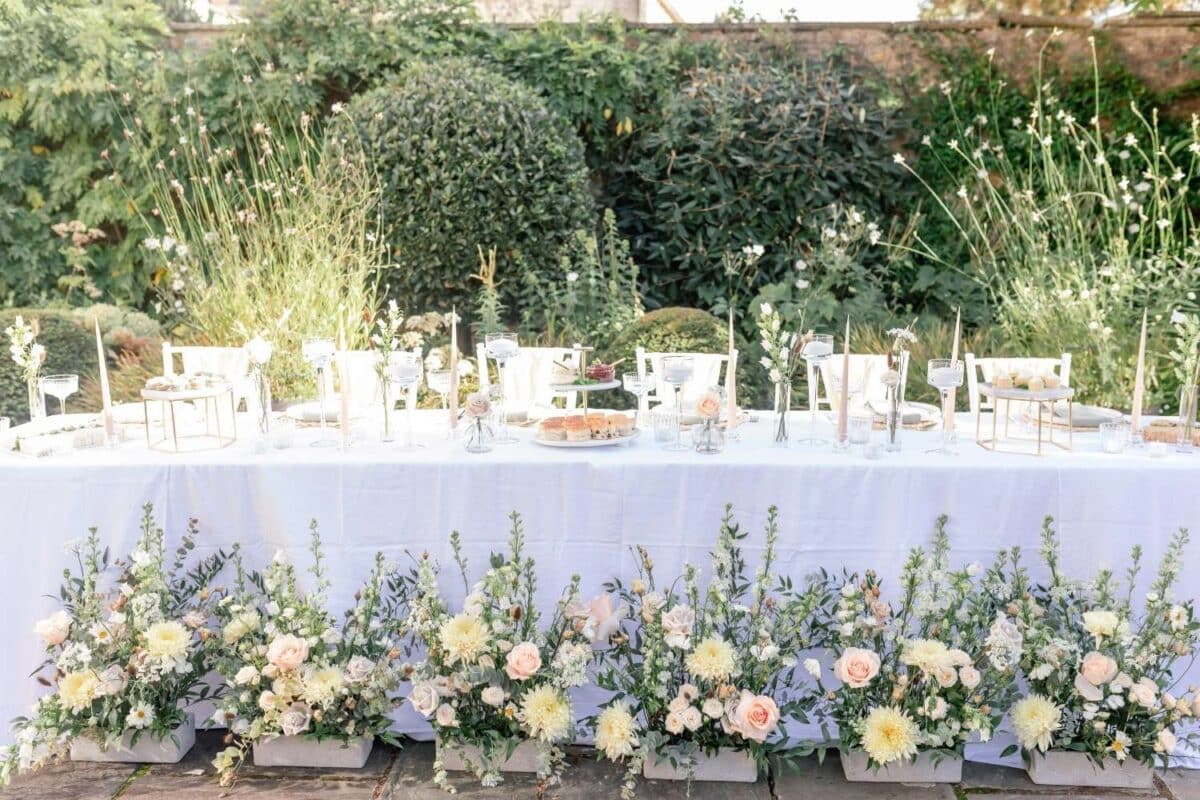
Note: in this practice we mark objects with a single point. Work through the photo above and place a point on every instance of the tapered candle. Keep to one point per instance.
(844, 400)
(106, 414)
(453, 367)
(344, 395)
(953, 358)
(731, 390)
(1139, 383)
(730, 348)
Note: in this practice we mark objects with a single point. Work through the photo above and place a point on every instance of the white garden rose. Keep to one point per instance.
(674, 723)
(713, 708)
(295, 720)
(1144, 692)
(969, 676)
(1100, 623)
(359, 669)
(494, 696)
(447, 717)
(287, 652)
(112, 681)
(246, 676)
(54, 629)
(425, 698)
(242, 624)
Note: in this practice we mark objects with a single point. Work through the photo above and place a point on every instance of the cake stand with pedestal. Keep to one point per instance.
(1042, 419)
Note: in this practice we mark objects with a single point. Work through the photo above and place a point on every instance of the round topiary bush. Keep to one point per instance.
(746, 154)
(467, 158)
(69, 349)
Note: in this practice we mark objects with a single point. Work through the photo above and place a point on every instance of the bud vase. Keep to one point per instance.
(1186, 438)
(388, 433)
(260, 402)
(37, 400)
(895, 417)
(782, 415)
(708, 438)
(479, 436)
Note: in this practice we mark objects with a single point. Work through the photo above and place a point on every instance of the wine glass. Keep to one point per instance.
(639, 387)
(816, 352)
(502, 347)
(945, 374)
(404, 371)
(438, 380)
(318, 351)
(677, 370)
(60, 386)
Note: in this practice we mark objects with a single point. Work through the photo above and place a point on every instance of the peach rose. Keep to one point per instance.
(755, 716)
(478, 405)
(287, 652)
(1097, 668)
(856, 667)
(708, 406)
(523, 661)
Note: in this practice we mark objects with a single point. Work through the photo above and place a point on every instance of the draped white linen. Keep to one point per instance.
(582, 510)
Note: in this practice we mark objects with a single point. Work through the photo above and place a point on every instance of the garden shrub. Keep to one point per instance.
(69, 349)
(739, 156)
(468, 158)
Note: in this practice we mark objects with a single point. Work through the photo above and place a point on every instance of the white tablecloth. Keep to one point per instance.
(583, 509)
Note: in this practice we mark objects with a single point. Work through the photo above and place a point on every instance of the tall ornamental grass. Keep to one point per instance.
(260, 232)
(1073, 229)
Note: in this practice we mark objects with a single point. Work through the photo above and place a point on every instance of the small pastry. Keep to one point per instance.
(577, 429)
(563, 373)
(598, 425)
(553, 430)
(1003, 382)
(1052, 381)
(1037, 383)
(620, 425)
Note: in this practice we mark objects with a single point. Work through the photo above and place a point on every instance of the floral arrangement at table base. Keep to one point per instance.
(917, 681)
(124, 659)
(699, 679)
(494, 682)
(301, 690)
(1099, 710)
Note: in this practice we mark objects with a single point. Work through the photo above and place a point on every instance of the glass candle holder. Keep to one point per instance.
(1114, 437)
(858, 428)
(665, 421)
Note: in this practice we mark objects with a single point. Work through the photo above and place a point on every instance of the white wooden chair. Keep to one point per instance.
(707, 371)
(866, 380)
(231, 362)
(527, 379)
(990, 367)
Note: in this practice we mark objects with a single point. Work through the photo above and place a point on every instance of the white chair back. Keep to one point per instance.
(990, 367)
(365, 392)
(527, 379)
(707, 371)
(866, 380)
(232, 362)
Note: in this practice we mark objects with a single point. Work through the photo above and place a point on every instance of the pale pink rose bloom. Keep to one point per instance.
(1144, 692)
(674, 723)
(295, 720)
(856, 667)
(493, 696)
(424, 697)
(969, 676)
(755, 716)
(708, 406)
(946, 676)
(691, 718)
(287, 652)
(54, 629)
(1097, 668)
(447, 717)
(523, 661)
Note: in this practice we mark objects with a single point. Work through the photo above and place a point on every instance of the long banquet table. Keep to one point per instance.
(582, 509)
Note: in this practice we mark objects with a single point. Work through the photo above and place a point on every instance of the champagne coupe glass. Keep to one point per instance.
(405, 372)
(639, 387)
(944, 374)
(502, 347)
(816, 352)
(439, 381)
(678, 370)
(60, 386)
(318, 351)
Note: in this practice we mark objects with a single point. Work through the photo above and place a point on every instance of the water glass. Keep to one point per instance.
(1114, 436)
(637, 386)
(859, 428)
(665, 421)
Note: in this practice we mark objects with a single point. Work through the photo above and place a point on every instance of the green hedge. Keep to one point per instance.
(468, 158)
(69, 349)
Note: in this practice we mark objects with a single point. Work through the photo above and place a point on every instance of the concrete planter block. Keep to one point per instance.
(298, 751)
(921, 769)
(455, 757)
(148, 750)
(727, 766)
(1068, 768)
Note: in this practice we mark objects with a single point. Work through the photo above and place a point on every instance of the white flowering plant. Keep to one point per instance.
(493, 676)
(290, 669)
(124, 656)
(694, 671)
(1099, 669)
(915, 678)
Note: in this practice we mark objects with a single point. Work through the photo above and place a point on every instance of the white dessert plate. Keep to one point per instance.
(590, 442)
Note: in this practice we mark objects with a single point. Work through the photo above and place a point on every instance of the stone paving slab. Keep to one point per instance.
(1006, 782)
(1181, 784)
(811, 779)
(75, 781)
